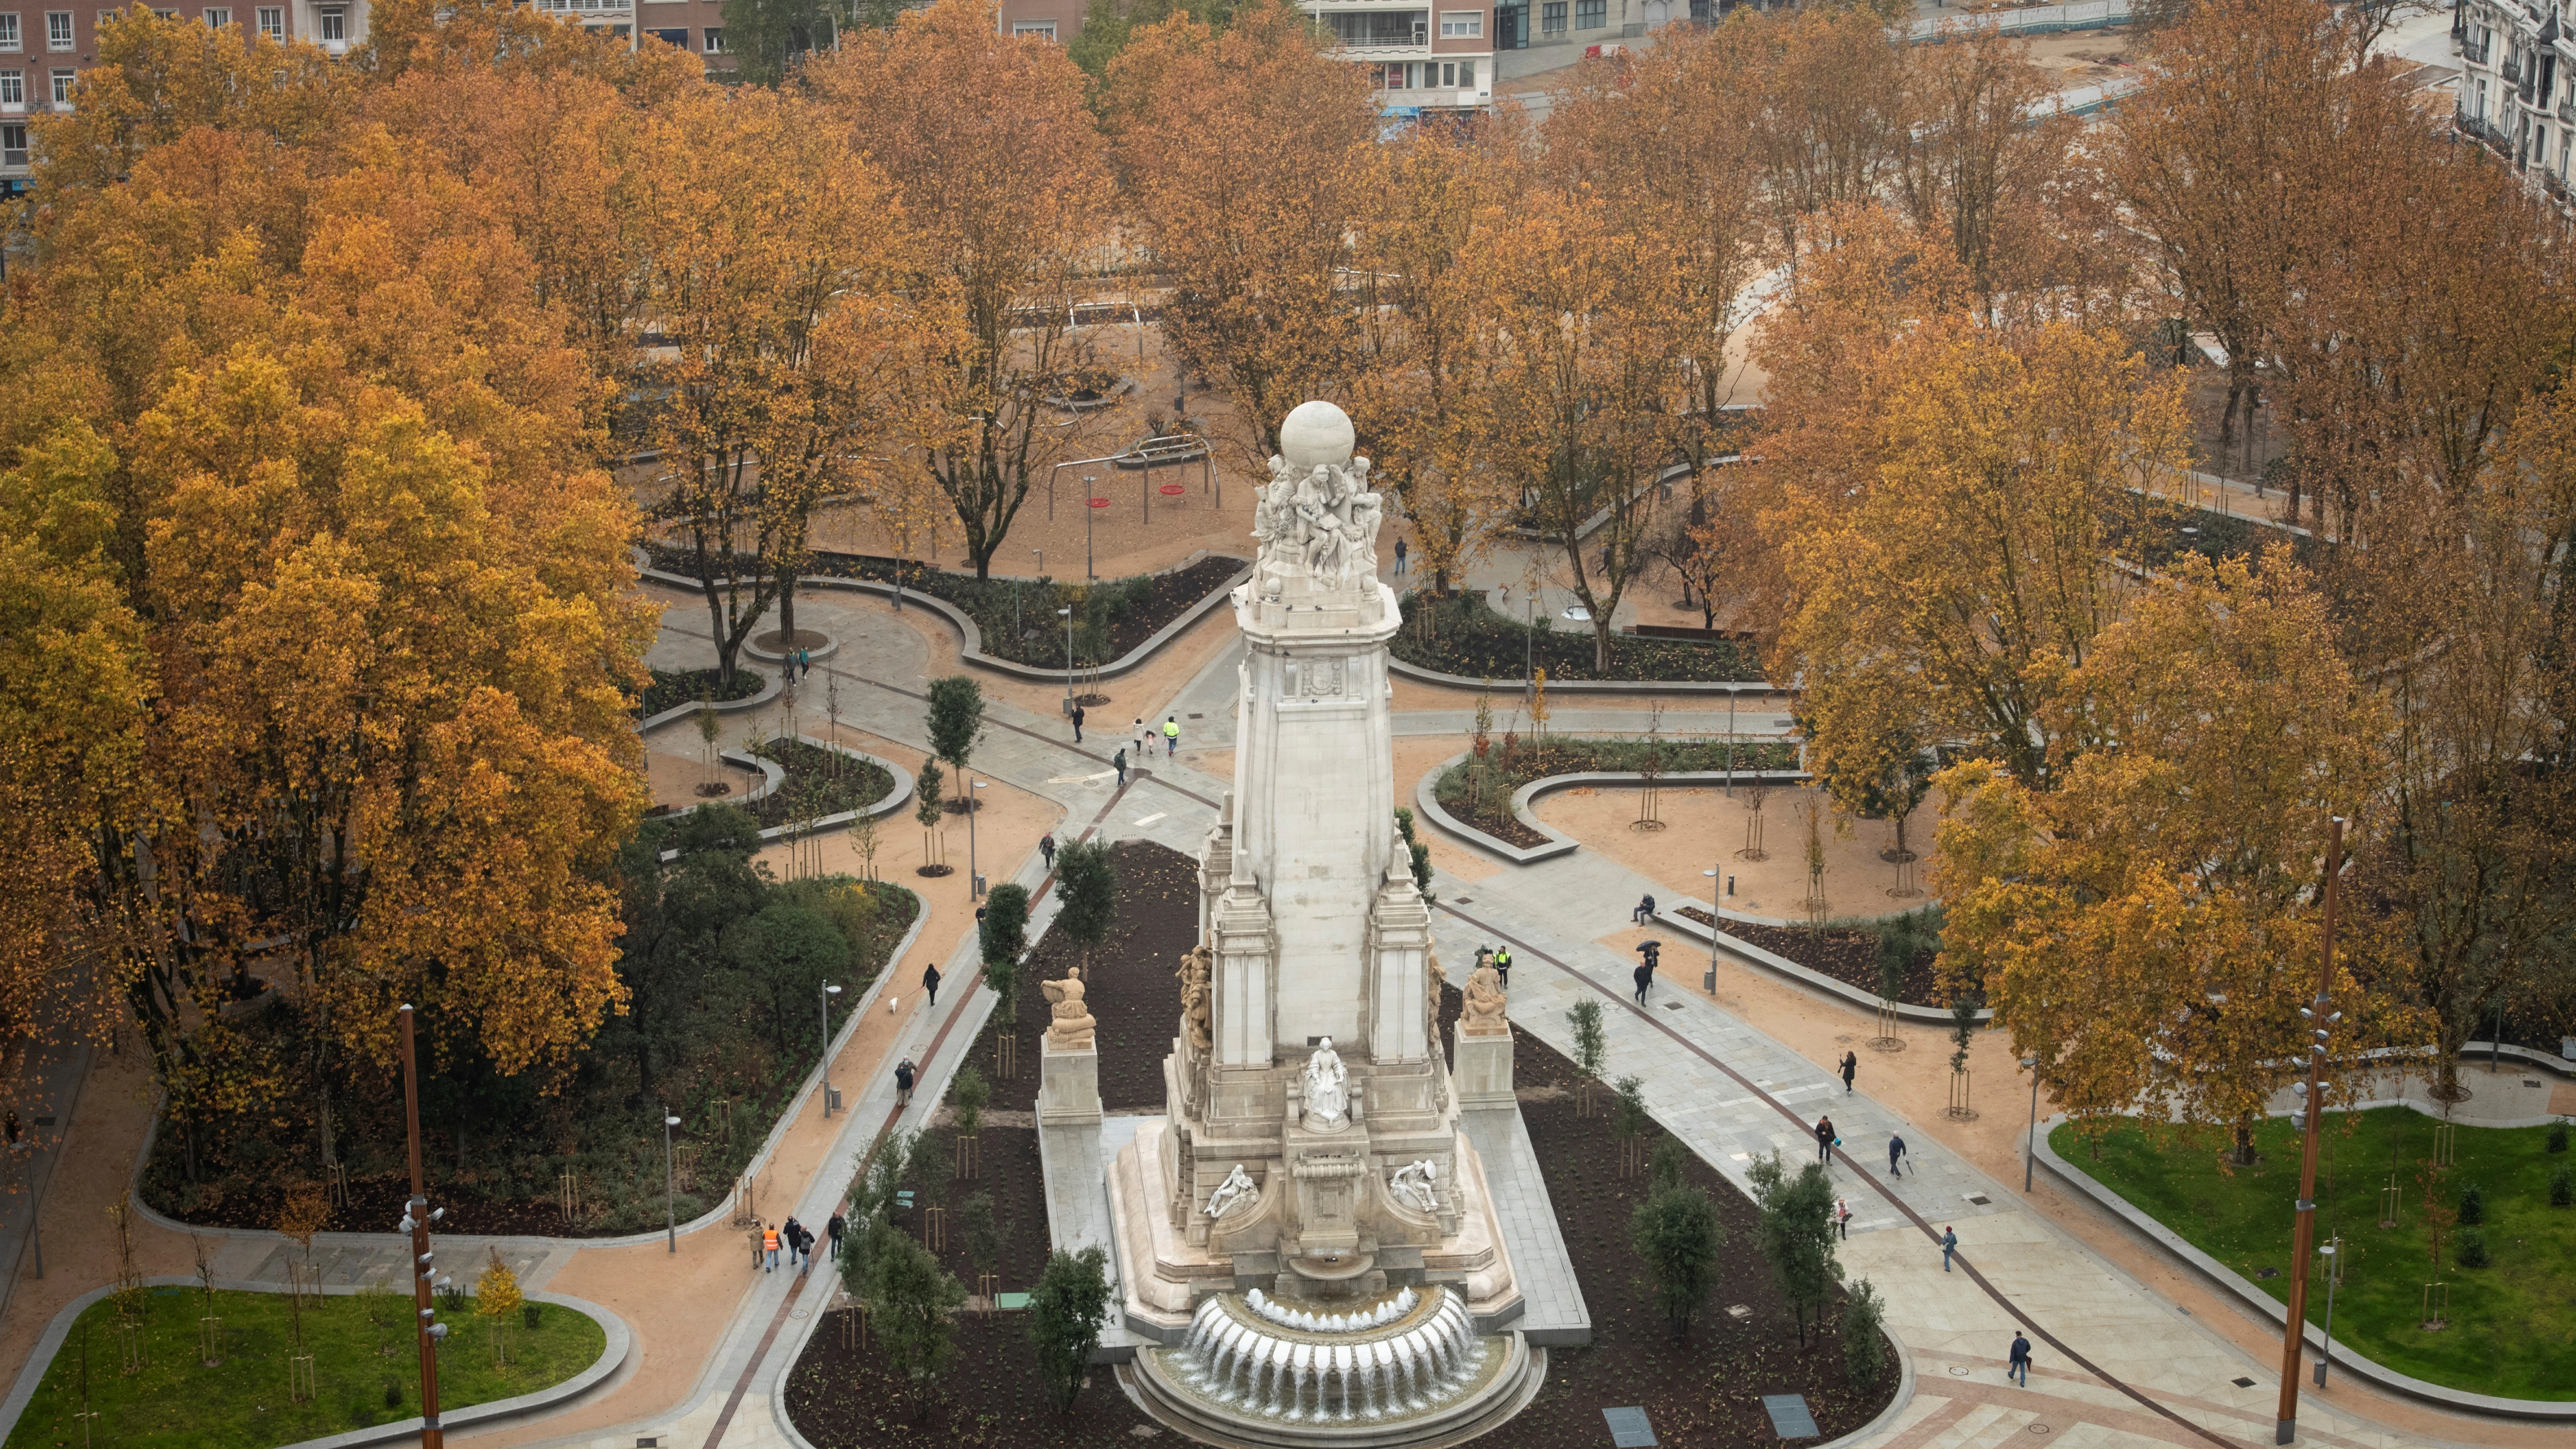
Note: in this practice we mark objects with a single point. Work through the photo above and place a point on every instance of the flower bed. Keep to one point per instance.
(1016, 617)
(819, 782)
(1849, 954)
(672, 688)
(361, 1346)
(1480, 794)
(1467, 637)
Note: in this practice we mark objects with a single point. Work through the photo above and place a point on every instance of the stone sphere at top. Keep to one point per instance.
(1316, 433)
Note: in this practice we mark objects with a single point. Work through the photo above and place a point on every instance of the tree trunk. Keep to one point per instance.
(2244, 1142)
(718, 632)
(787, 615)
(1601, 646)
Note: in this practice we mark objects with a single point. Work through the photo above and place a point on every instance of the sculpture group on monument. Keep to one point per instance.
(1306, 1228)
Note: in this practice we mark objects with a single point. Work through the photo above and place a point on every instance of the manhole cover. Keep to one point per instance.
(2039, 1428)
(796, 1313)
(1957, 1372)
(2242, 1383)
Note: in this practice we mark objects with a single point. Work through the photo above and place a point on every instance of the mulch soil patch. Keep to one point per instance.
(1134, 989)
(1850, 957)
(989, 1394)
(1708, 1390)
(672, 688)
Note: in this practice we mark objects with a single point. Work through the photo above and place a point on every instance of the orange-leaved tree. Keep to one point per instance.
(1005, 184)
(1250, 162)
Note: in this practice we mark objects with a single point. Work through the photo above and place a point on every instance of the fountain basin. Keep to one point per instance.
(1406, 1368)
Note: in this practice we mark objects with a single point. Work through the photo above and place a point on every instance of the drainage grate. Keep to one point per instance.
(1672, 1006)
(1789, 1416)
(650, 1441)
(1980, 1199)
(2242, 1383)
(1198, 716)
(1464, 901)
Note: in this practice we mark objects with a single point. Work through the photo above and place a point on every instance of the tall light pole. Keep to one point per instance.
(2030, 1144)
(1714, 885)
(1090, 506)
(2303, 1235)
(1067, 616)
(974, 881)
(829, 991)
(416, 1216)
(670, 1181)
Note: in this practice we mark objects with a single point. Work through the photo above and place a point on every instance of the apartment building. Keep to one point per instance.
(1422, 58)
(2518, 85)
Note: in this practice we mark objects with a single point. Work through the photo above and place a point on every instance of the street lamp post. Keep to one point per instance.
(1088, 479)
(2030, 1144)
(2303, 1234)
(1714, 885)
(829, 991)
(1067, 616)
(974, 881)
(670, 1185)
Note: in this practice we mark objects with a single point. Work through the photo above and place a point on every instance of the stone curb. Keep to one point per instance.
(713, 1217)
(1886, 1418)
(612, 1357)
(831, 646)
(885, 805)
(1558, 843)
(1807, 976)
(971, 648)
(2229, 1281)
(769, 690)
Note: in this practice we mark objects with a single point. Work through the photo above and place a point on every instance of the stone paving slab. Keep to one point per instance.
(1555, 1315)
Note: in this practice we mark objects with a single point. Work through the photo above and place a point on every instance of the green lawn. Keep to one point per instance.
(2512, 1327)
(176, 1402)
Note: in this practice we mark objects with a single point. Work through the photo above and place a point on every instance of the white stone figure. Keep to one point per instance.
(1328, 1089)
(1237, 1191)
(1416, 1185)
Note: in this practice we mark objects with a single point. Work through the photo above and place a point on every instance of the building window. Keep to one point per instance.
(1551, 18)
(677, 36)
(1591, 14)
(13, 144)
(9, 37)
(1455, 25)
(218, 19)
(63, 88)
(272, 22)
(335, 25)
(13, 90)
(715, 40)
(1043, 28)
(58, 30)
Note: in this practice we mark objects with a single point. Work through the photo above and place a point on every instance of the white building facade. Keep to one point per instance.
(2517, 89)
(1422, 57)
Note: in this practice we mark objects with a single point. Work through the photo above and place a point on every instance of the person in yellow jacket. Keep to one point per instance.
(1171, 736)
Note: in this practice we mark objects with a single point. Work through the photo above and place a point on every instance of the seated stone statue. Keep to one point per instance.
(1328, 1089)
(1237, 1191)
(1072, 1024)
(1482, 1011)
(1416, 1185)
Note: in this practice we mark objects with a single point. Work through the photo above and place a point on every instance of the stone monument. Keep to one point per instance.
(1309, 1157)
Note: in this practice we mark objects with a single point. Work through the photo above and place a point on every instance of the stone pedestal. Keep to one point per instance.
(1069, 1087)
(1484, 1071)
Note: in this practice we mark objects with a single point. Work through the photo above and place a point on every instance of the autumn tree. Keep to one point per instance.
(1249, 157)
(1005, 184)
(1578, 352)
(1953, 594)
(1833, 109)
(1974, 165)
(775, 254)
(2148, 929)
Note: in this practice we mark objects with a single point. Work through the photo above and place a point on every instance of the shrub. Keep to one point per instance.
(1676, 1231)
(1864, 1350)
(531, 1315)
(2558, 1135)
(2562, 1188)
(1066, 1311)
(2470, 1248)
(2473, 1205)
(1589, 1043)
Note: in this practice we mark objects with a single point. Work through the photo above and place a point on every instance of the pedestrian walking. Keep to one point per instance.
(1842, 1218)
(1851, 1069)
(930, 983)
(1645, 909)
(1144, 739)
(1645, 977)
(1171, 735)
(1077, 724)
(804, 663)
(1949, 1245)
(792, 1233)
(755, 1246)
(804, 1251)
(1825, 1140)
(1895, 1154)
(2020, 1370)
(1400, 552)
(1046, 849)
(1503, 967)
(1118, 762)
(769, 1249)
(833, 1230)
(903, 1073)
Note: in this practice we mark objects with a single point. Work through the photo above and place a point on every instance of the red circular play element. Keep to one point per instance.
(1174, 490)
(1099, 502)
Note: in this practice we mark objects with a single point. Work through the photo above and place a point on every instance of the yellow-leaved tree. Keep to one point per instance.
(2149, 928)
